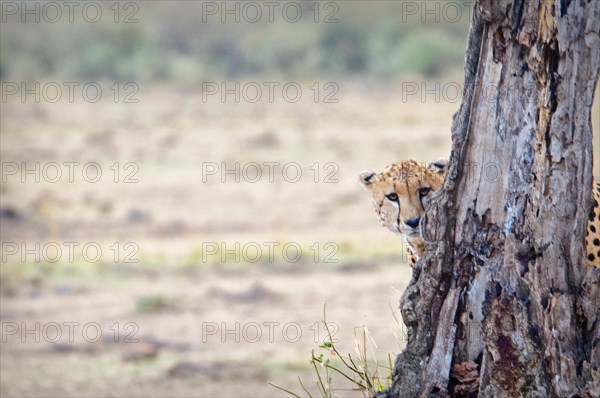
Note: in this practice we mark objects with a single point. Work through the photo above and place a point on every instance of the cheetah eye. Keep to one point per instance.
(424, 191)
(392, 197)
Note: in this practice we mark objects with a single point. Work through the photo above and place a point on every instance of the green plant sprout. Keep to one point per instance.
(363, 371)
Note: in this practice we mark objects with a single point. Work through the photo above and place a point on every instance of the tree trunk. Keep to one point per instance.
(501, 304)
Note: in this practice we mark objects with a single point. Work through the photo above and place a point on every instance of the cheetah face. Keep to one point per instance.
(401, 191)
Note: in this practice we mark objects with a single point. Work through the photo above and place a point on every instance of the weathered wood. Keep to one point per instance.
(502, 291)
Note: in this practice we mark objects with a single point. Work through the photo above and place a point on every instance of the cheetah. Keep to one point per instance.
(592, 235)
(400, 195)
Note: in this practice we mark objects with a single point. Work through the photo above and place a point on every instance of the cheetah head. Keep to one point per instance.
(401, 191)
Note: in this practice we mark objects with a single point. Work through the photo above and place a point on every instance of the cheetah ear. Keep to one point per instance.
(365, 178)
(439, 166)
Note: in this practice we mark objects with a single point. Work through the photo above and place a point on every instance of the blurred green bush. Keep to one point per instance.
(373, 39)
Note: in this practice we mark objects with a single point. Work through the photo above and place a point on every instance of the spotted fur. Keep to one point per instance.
(592, 235)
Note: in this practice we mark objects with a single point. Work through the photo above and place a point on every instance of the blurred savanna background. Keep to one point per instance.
(179, 196)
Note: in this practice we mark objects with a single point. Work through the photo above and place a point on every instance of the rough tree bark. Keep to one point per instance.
(501, 305)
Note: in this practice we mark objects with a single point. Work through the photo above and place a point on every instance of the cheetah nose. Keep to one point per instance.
(413, 222)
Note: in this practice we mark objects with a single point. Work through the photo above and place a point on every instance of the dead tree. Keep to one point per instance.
(501, 304)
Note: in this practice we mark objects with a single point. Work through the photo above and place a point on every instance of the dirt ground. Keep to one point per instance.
(172, 307)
